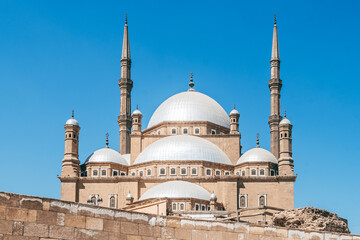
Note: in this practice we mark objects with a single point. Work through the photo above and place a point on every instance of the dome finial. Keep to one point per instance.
(234, 106)
(107, 140)
(191, 84)
(125, 19)
(284, 113)
(72, 114)
(257, 140)
(137, 107)
(274, 19)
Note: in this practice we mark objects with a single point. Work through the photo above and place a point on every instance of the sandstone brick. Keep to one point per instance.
(61, 232)
(100, 235)
(157, 231)
(8, 237)
(16, 214)
(241, 227)
(316, 236)
(74, 221)
(94, 223)
(182, 233)
(32, 215)
(270, 231)
(229, 235)
(146, 230)
(46, 217)
(83, 234)
(111, 226)
(218, 226)
(281, 232)
(167, 232)
(60, 219)
(36, 230)
(18, 228)
(2, 212)
(148, 238)
(129, 228)
(46, 205)
(11, 200)
(31, 203)
(256, 230)
(139, 218)
(104, 213)
(133, 237)
(6, 227)
(117, 236)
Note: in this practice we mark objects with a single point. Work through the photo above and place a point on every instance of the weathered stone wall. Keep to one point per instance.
(34, 218)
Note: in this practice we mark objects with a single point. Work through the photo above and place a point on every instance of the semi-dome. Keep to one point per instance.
(106, 155)
(183, 148)
(190, 106)
(72, 121)
(176, 189)
(257, 155)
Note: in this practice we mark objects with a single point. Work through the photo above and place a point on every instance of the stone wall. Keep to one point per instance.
(34, 218)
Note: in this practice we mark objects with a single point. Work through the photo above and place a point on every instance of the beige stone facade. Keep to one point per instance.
(181, 145)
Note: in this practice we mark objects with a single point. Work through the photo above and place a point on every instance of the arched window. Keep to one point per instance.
(141, 173)
(243, 173)
(173, 171)
(112, 202)
(253, 172)
(69, 135)
(285, 135)
(197, 207)
(183, 171)
(95, 173)
(262, 172)
(242, 201)
(173, 131)
(185, 130)
(182, 206)
(158, 132)
(93, 200)
(203, 207)
(193, 171)
(262, 201)
(115, 173)
(208, 172)
(197, 131)
(174, 206)
(148, 172)
(122, 174)
(162, 171)
(217, 172)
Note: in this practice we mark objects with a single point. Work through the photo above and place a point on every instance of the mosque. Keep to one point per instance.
(188, 160)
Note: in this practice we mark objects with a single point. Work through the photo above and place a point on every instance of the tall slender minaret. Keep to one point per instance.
(275, 87)
(125, 84)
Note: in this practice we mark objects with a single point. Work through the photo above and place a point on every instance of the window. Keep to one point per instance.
(262, 172)
(84, 174)
(95, 173)
(162, 171)
(112, 202)
(262, 200)
(115, 172)
(103, 172)
(237, 173)
(194, 171)
(208, 207)
(133, 174)
(135, 120)
(172, 171)
(159, 132)
(122, 173)
(74, 135)
(213, 131)
(174, 206)
(208, 172)
(272, 172)
(227, 173)
(285, 135)
(253, 172)
(185, 130)
(93, 200)
(197, 131)
(203, 207)
(243, 173)
(243, 201)
(182, 206)
(183, 171)
(217, 172)
(281, 135)
(141, 173)
(69, 135)
(173, 131)
(197, 207)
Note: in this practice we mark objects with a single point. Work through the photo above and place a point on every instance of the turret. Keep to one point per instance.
(234, 121)
(125, 84)
(129, 199)
(286, 162)
(213, 200)
(136, 117)
(275, 85)
(70, 166)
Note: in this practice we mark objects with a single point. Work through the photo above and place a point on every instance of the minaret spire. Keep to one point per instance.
(125, 84)
(275, 85)
(257, 140)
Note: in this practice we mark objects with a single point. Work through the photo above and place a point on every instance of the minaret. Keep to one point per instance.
(275, 87)
(234, 121)
(125, 84)
(70, 166)
(137, 116)
(286, 162)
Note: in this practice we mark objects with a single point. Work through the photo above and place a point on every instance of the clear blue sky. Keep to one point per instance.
(62, 55)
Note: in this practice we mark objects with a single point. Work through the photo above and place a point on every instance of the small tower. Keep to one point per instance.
(234, 121)
(286, 162)
(70, 166)
(213, 200)
(129, 199)
(136, 116)
(125, 84)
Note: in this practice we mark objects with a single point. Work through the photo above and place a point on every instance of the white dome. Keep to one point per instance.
(257, 155)
(285, 121)
(190, 106)
(234, 111)
(106, 155)
(176, 189)
(136, 111)
(72, 121)
(183, 148)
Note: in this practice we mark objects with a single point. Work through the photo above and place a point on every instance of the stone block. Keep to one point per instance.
(296, 234)
(202, 225)
(86, 211)
(148, 238)
(146, 230)
(60, 219)
(46, 205)
(205, 235)
(60, 206)
(117, 236)
(229, 235)
(36, 230)
(2, 212)
(189, 224)
(256, 230)
(129, 228)
(9, 237)
(133, 237)
(282, 232)
(61, 232)
(100, 235)
(270, 231)
(182, 233)
(18, 228)
(11, 200)
(94, 223)
(139, 218)
(123, 216)
(31, 203)
(46, 217)
(83, 234)
(316, 236)
(219, 226)
(6, 227)
(241, 227)
(16, 214)
(72, 220)
(168, 232)
(104, 213)
(111, 226)
(157, 231)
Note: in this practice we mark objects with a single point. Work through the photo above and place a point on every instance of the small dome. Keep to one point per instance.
(176, 189)
(183, 148)
(213, 196)
(136, 112)
(129, 196)
(190, 106)
(106, 155)
(234, 112)
(285, 121)
(257, 155)
(72, 121)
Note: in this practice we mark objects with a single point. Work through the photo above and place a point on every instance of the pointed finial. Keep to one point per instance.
(137, 107)
(284, 113)
(234, 106)
(72, 115)
(191, 84)
(257, 140)
(125, 19)
(107, 140)
(274, 19)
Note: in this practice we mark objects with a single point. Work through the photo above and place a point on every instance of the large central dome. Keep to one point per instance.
(190, 106)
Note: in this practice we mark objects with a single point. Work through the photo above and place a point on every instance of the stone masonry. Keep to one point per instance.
(34, 218)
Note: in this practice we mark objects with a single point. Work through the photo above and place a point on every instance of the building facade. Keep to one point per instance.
(187, 160)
